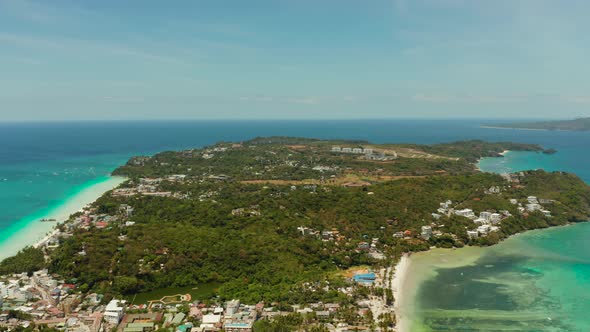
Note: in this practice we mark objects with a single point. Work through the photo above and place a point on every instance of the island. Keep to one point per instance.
(580, 124)
(274, 234)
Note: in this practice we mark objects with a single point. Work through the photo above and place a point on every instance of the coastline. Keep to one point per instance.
(30, 231)
(517, 128)
(398, 286)
(478, 163)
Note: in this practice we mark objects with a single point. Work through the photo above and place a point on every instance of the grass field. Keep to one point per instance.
(200, 292)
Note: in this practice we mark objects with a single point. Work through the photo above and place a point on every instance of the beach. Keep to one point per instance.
(397, 286)
(30, 231)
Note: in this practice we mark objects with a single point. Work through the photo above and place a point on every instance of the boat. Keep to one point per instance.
(47, 219)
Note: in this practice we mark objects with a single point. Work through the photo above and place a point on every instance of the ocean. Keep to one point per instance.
(540, 278)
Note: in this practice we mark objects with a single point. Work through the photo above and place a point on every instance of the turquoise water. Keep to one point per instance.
(30, 191)
(520, 161)
(537, 281)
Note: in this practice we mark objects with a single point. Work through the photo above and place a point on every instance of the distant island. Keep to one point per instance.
(580, 124)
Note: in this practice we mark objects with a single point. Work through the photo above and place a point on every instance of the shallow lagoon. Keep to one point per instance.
(536, 281)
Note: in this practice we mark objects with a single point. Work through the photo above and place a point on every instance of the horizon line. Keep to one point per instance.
(281, 119)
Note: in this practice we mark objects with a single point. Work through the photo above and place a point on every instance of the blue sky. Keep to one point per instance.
(255, 59)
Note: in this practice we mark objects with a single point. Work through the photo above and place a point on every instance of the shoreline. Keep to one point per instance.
(414, 268)
(478, 163)
(517, 128)
(30, 231)
(401, 273)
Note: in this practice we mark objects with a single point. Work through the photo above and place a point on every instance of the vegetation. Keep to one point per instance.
(473, 150)
(580, 124)
(27, 260)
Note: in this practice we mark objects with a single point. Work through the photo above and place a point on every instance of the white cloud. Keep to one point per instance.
(73, 46)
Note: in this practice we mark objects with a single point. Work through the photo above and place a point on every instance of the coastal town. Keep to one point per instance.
(359, 250)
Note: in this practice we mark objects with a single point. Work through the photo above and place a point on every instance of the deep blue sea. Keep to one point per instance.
(46, 166)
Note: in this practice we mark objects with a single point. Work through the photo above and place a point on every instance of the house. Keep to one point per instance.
(447, 204)
(532, 200)
(533, 207)
(357, 150)
(232, 307)
(126, 210)
(196, 312)
(238, 212)
(327, 235)
(481, 221)
(211, 321)
(333, 307)
(367, 151)
(114, 311)
(494, 190)
(483, 229)
(363, 246)
(324, 314)
(336, 149)
(238, 327)
(485, 215)
(426, 232)
(178, 318)
(472, 234)
(101, 224)
(495, 218)
(467, 213)
(139, 327)
(346, 150)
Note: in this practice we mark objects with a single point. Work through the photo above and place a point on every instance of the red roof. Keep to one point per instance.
(101, 224)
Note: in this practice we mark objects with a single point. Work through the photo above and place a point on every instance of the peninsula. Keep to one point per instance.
(580, 124)
(276, 233)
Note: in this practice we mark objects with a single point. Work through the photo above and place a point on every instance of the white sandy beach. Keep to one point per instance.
(397, 286)
(32, 232)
